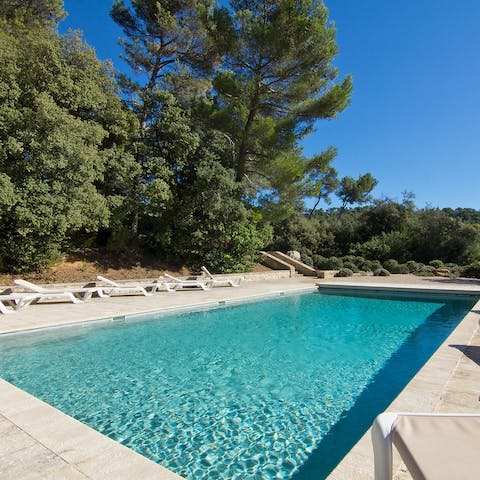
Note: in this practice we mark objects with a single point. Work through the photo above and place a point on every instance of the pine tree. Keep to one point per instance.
(167, 45)
(276, 81)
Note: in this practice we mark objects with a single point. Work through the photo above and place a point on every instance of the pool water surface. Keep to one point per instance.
(276, 389)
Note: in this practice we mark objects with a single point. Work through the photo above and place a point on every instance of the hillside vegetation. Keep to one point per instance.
(194, 157)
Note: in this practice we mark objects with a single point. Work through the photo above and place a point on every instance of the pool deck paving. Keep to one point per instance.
(40, 442)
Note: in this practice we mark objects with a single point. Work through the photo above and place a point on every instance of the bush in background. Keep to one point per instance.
(331, 263)
(381, 272)
(472, 270)
(344, 272)
(351, 266)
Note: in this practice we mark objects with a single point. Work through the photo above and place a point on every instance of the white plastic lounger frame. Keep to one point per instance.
(114, 287)
(75, 295)
(177, 283)
(383, 432)
(16, 301)
(232, 282)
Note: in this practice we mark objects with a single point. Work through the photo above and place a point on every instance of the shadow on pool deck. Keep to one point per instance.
(376, 397)
(470, 351)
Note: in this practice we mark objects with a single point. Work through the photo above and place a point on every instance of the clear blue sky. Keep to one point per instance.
(414, 121)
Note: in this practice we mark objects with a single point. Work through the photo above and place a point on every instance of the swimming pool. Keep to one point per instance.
(274, 389)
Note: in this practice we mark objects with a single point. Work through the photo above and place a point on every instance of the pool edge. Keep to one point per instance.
(436, 388)
(117, 451)
(88, 453)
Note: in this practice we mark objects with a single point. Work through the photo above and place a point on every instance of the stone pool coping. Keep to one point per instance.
(449, 382)
(39, 441)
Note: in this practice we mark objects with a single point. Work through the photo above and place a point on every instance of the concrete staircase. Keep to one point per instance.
(281, 261)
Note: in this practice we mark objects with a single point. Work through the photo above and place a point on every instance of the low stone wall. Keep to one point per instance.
(259, 276)
(326, 273)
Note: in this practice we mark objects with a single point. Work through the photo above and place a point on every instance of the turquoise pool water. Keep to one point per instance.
(280, 388)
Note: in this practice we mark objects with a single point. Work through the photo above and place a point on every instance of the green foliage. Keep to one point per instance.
(402, 268)
(426, 271)
(472, 270)
(391, 265)
(207, 223)
(303, 234)
(201, 162)
(351, 266)
(414, 266)
(381, 272)
(276, 81)
(344, 272)
(394, 267)
(375, 248)
(167, 42)
(318, 260)
(28, 13)
(308, 260)
(332, 263)
(353, 191)
(55, 100)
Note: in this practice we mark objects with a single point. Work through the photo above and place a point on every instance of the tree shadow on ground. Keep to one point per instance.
(384, 387)
(470, 351)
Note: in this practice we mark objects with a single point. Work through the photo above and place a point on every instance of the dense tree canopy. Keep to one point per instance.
(59, 121)
(195, 156)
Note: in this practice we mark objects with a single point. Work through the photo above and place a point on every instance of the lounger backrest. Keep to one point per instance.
(171, 277)
(204, 270)
(106, 280)
(31, 286)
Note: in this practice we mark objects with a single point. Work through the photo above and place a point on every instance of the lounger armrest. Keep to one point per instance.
(382, 445)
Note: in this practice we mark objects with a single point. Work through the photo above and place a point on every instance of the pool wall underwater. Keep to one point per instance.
(451, 355)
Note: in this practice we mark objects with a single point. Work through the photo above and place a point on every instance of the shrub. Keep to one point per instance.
(455, 272)
(358, 261)
(414, 266)
(344, 272)
(391, 265)
(307, 260)
(351, 266)
(373, 248)
(371, 265)
(402, 268)
(472, 270)
(394, 267)
(425, 271)
(332, 263)
(436, 263)
(381, 272)
(318, 260)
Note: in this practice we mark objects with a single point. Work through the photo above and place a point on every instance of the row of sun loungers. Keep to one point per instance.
(11, 301)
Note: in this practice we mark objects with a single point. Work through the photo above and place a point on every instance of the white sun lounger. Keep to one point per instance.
(177, 283)
(75, 295)
(212, 281)
(433, 446)
(11, 302)
(114, 287)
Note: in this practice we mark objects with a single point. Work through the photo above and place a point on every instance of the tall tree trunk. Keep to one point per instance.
(241, 169)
